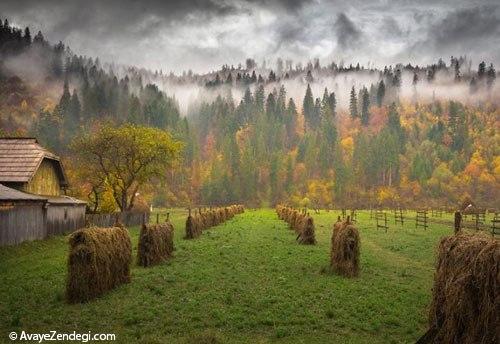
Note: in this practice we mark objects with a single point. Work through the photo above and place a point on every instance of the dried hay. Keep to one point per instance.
(465, 304)
(208, 218)
(191, 227)
(345, 250)
(155, 244)
(99, 260)
(306, 236)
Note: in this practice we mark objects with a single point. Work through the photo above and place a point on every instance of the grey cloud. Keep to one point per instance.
(466, 24)
(204, 34)
(347, 32)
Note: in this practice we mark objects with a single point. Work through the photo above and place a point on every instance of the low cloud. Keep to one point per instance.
(202, 35)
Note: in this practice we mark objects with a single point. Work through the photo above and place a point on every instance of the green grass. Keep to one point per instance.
(246, 281)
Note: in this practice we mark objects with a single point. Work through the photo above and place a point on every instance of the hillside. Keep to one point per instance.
(312, 135)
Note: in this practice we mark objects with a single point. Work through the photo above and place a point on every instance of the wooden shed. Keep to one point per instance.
(22, 216)
(26, 166)
(33, 204)
(25, 217)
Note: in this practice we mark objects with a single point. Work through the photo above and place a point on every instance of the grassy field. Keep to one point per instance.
(246, 281)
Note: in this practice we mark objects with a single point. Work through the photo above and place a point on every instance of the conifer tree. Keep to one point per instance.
(353, 104)
(308, 106)
(365, 104)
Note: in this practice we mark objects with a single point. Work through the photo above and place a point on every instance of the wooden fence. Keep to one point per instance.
(495, 225)
(421, 219)
(108, 220)
(381, 220)
(398, 216)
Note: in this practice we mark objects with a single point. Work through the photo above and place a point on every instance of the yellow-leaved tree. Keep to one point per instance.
(125, 158)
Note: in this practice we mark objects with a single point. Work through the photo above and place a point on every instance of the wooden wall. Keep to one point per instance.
(63, 218)
(26, 221)
(45, 181)
(22, 222)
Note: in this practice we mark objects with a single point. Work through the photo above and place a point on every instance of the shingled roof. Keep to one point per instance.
(8, 194)
(21, 157)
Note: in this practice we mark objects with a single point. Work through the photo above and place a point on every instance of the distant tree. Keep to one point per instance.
(27, 36)
(481, 70)
(332, 101)
(39, 39)
(308, 105)
(309, 77)
(270, 105)
(490, 76)
(353, 104)
(365, 105)
(415, 79)
(456, 66)
(380, 93)
(64, 102)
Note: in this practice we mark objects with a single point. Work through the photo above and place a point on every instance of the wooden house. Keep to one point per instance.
(32, 200)
(27, 166)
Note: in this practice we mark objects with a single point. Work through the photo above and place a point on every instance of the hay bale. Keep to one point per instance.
(99, 260)
(336, 227)
(306, 236)
(344, 256)
(300, 223)
(191, 227)
(154, 244)
(465, 304)
(170, 240)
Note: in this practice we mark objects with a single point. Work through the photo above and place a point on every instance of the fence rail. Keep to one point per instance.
(398, 216)
(381, 219)
(421, 219)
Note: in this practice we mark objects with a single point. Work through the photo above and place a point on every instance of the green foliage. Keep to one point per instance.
(126, 158)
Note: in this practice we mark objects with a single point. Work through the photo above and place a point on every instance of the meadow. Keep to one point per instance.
(245, 281)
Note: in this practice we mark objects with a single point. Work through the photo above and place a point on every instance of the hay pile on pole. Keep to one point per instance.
(344, 255)
(205, 219)
(465, 304)
(155, 244)
(336, 227)
(99, 260)
(306, 236)
(192, 227)
(300, 222)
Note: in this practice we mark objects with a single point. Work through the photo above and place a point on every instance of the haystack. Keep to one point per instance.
(465, 304)
(154, 244)
(99, 260)
(336, 227)
(306, 236)
(191, 227)
(345, 250)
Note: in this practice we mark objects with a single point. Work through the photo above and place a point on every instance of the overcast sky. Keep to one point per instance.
(204, 34)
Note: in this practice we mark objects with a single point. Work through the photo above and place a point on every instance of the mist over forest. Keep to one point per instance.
(341, 129)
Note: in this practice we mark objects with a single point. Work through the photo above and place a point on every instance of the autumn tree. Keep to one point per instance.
(126, 158)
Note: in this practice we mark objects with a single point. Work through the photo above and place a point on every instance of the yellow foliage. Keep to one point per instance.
(107, 202)
(348, 144)
(387, 196)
